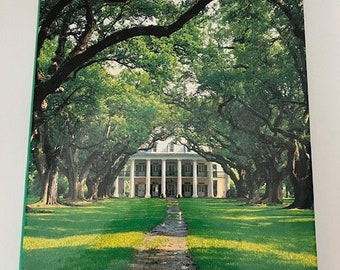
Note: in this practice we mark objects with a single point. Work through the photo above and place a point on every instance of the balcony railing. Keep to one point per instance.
(156, 174)
(168, 173)
(187, 174)
(202, 174)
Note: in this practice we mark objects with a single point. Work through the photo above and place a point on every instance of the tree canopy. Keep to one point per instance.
(113, 77)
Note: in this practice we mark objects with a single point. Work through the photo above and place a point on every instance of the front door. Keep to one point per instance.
(154, 190)
(171, 189)
(201, 190)
(187, 190)
(140, 190)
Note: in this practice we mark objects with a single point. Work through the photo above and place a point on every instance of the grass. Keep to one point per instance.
(222, 235)
(227, 235)
(102, 235)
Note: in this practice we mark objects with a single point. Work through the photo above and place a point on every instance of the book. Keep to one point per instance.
(204, 189)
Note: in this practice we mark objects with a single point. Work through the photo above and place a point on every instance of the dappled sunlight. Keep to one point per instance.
(244, 218)
(91, 241)
(301, 258)
(295, 220)
(238, 236)
(156, 242)
(102, 235)
(284, 219)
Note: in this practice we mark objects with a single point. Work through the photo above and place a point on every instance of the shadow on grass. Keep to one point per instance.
(76, 258)
(102, 235)
(245, 234)
(231, 259)
(104, 217)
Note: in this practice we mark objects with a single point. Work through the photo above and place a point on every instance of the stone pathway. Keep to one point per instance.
(165, 246)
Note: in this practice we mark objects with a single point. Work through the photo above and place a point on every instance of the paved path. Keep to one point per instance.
(165, 246)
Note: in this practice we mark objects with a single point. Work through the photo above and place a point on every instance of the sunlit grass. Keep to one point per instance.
(229, 235)
(92, 241)
(156, 242)
(222, 235)
(103, 235)
(302, 258)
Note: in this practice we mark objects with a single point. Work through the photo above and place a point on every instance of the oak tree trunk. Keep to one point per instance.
(273, 194)
(45, 158)
(241, 185)
(52, 196)
(300, 160)
(92, 188)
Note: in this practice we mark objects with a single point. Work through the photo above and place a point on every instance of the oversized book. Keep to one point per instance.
(169, 135)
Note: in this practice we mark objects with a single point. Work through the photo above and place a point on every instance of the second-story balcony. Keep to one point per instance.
(202, 174)
(140, 173)
(168, 173)
(156, 174)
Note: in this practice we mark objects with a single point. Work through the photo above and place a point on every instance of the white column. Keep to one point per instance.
(116, 185)
(163, 178)
(194, 182)
(179, 178)
(210, 180)
(148, 183)
(132, 179)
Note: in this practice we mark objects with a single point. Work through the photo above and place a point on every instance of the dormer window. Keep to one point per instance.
(154, 148)
(186, 149)
(171, 147)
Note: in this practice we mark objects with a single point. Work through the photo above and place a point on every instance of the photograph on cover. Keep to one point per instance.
(169, 135)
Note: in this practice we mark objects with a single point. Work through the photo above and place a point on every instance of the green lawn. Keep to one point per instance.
(101, 235)
(222, 235)
(228, 235)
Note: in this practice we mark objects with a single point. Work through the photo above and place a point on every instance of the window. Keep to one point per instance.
(201, 188)
(140, 169)
(214, 170)
(186, 149)
(187, 188)
(187, 169)
(172, 169)
(201, 167)
(201, 170)
(155, 169)
(154, 148)
(215, 188)
(171, 147)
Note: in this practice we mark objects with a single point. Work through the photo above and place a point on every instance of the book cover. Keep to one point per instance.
(170, 135)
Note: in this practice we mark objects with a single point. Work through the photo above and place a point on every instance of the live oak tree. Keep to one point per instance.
(85, 29)
(275, 29)
(100, 125)
(250, 110)
(253, 70)
(73, 35)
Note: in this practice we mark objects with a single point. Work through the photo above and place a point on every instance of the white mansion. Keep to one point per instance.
(171, 170)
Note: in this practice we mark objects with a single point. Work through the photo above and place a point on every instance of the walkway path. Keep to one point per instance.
(165, 246)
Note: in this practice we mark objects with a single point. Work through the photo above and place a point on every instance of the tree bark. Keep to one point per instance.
(273, 194)
(300, 160)
(77, 172)
(52, 197)
(105, 187)
(241, 186)
(45, 158)
(92, 188)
